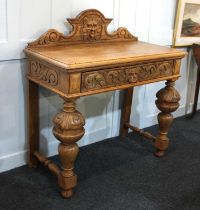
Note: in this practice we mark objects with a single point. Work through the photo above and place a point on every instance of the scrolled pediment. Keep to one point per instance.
(89, 26)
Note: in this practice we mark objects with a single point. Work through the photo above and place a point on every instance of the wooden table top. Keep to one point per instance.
(86, 55)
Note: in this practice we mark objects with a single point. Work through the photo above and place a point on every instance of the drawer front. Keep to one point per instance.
(94, 80)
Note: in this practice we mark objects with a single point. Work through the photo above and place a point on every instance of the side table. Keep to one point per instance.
(90, 61)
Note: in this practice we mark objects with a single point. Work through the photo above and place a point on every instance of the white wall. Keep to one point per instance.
(24, 20)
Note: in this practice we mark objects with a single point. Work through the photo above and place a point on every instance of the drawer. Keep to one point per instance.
(125, 75)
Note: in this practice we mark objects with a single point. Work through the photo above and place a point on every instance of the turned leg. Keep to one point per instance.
(126, 111)
(68, 130)
(167, 102)
(196, 93)
(33, 123)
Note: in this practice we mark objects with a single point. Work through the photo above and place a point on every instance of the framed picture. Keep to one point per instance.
(187, 26)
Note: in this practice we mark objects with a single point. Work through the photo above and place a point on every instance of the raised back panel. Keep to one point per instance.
(88, 26)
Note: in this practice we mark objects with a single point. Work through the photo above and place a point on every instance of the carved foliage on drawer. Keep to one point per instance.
(125, 75)
(43, 73)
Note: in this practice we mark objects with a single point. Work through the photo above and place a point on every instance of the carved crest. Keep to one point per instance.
(89, 26)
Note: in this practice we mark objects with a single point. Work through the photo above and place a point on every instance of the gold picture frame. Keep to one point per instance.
(187, 25)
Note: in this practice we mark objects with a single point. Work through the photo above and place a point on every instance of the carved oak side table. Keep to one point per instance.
(90, 61)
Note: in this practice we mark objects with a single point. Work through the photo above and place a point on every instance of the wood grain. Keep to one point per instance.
(80, 56)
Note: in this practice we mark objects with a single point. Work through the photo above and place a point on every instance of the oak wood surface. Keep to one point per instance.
(87, 55)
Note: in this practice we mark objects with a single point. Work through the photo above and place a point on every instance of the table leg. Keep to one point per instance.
(33, 122)
(126, 111)
(196, 93)
(167, 101)
(68, 129)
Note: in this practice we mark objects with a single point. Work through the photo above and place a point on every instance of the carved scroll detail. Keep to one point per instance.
(124, 75)
(88, 26)
(43, 73)
(51, 36)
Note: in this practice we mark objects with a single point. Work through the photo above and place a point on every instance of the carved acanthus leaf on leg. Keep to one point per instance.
(167, 101)
(68, 130)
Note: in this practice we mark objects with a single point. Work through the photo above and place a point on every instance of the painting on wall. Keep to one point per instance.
(187, 26)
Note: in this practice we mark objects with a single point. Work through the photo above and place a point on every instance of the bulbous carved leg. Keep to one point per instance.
(68, 130)
(167, 101)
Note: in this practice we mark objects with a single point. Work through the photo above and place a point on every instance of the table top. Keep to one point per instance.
(72, 56)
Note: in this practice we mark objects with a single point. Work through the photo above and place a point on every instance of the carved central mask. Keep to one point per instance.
(92, 28)
(133, 75)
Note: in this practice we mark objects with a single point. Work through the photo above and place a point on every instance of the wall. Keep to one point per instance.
(24, 20)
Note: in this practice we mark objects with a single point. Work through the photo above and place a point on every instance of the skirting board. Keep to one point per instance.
(14, 160)
(20, 158)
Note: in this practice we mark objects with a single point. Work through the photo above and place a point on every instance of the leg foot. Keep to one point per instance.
(67, 193)
(159, 153)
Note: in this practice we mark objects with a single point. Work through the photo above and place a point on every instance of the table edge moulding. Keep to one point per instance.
(89, 61)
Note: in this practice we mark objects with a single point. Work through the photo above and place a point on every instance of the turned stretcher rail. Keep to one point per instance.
(48, 163)
(141, 132)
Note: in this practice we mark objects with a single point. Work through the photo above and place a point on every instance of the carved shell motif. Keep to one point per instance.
(89, 26)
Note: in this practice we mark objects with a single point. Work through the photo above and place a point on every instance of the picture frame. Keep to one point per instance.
(187, 24)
